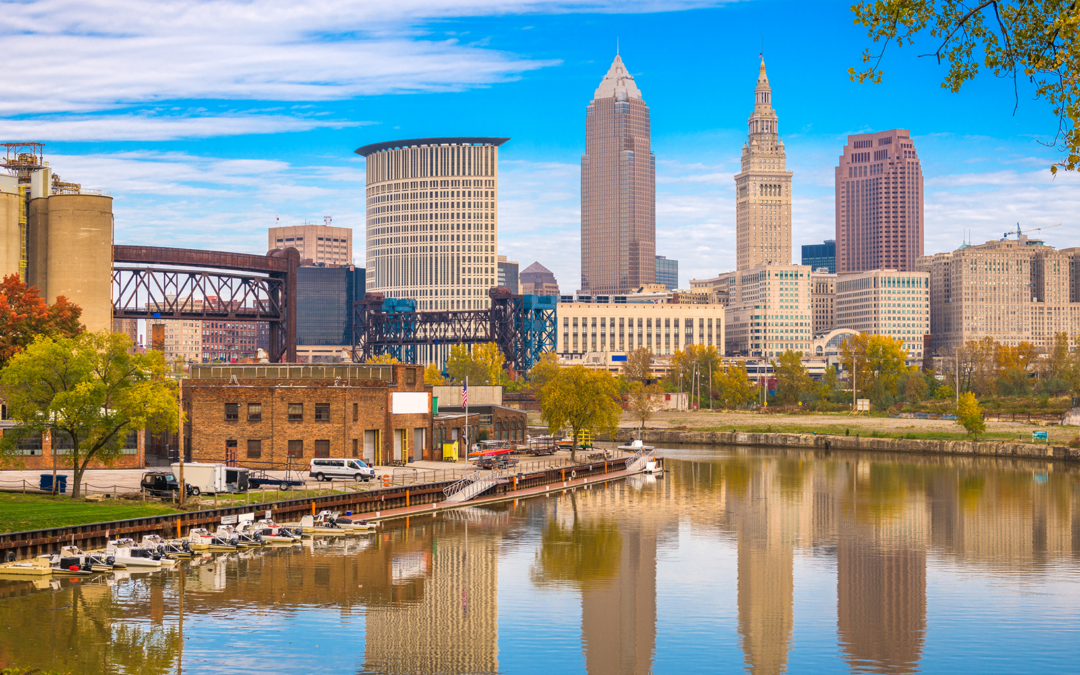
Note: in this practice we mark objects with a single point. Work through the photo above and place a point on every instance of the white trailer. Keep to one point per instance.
(213, 478)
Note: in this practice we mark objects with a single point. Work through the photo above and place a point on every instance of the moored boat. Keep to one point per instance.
(635, 446)
(308, 525)
(126, 552)
(333, 519)
(38, 567)
(202, 540)
(272, 533)
(174, 549)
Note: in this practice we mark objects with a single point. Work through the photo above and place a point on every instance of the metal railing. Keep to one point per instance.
(472, 485)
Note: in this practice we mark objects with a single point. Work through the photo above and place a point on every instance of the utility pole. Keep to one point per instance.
(180, 444)
(958, 378)
(854, 369)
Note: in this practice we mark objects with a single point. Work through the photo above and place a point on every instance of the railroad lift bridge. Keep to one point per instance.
(523, 327)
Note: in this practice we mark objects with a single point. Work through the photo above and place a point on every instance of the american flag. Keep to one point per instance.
(465, 392)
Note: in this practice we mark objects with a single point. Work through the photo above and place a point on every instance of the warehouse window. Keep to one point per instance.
(254, 450)
(322, 448)
(232, 412)
(254, 412)
(296, 412)
(296, 449)
(322, 412)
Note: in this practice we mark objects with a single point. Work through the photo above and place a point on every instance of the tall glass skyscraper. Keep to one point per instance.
(818, 256)
(618, 189)
(667, 272)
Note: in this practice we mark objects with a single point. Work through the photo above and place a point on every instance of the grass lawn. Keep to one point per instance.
(20, 512)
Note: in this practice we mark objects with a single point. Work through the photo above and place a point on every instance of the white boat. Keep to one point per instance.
(96, 560)
(651, 467)
(126, 552)
(242, 538)
(635, 446)
(173, 549)
(308, 525)
(333, 519)
(272, 533)
(202, 540)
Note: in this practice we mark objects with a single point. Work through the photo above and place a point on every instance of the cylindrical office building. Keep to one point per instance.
(10, 230)
(432, 220)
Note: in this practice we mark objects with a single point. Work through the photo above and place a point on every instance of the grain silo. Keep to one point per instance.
(79, 254)
(11, 231)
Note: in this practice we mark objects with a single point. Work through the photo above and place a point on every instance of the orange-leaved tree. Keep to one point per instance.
(24, 315)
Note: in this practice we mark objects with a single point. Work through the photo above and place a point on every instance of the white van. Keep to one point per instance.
(329, 469)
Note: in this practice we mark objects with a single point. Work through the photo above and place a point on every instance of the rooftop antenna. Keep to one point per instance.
(616, 46)
(327, 220)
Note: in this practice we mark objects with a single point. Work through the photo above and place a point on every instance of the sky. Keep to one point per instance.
(209, 122)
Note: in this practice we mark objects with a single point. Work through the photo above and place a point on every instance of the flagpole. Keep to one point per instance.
(465, 393)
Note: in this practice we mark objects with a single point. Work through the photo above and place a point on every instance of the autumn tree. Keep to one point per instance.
(89, 392)
(582, 399)
(382, 358)
(543, 370)
(638, 366)
(734, 387)
(701, 359)
(24, 316)
(483, 365)
(1029, 41)
(643, 401)
(433, 376)
(969, 415)
(876, 362)
(792, 378)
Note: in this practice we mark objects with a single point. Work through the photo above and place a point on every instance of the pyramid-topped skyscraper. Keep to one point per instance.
(618, 189)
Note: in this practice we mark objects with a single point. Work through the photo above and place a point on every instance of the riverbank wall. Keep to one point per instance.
(664, 437)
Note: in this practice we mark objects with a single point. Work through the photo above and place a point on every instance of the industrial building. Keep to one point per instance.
(55, 235)
(432, 220)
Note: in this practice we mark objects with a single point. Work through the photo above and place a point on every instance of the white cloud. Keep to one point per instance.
(158, 128)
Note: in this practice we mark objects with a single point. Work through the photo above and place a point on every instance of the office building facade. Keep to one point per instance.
(879, 203)
(324, 310)
(432, 220)
(822, 300)
(763, 188)
(769, 311)
(538, 280)
(1012, 291)
(317, 244)
(820, 256)
(508, 274)
(667, 272)
(886, 302)
(586, 327)
(618, 189)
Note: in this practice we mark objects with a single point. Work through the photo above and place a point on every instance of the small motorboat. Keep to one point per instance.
(272, 533)
(202, 540)
(38, 567)
(67, 565)
(651, 467)
(98, 561)
(174, 549)
(242, 537)
(330, 519)
(126, 552)
(635, 446)
(308, 525)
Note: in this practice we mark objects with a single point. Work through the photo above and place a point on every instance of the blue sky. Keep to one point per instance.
(208, 120)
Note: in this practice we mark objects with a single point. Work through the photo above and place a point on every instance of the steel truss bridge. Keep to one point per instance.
(523, 327)
(151, 282)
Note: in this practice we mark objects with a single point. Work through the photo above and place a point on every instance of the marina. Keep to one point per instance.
(736, 559)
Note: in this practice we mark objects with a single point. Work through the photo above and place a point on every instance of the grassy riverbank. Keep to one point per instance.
(19, 512)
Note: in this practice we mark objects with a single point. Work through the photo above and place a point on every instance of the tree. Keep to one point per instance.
(701, 359)
(914, 387)
(792, 378)
(644, 401)
(1036, 40)
(583, 399)
(88, 391)
(24, 315)
(382, 358)
(734, 386)
(877, 361)
(433, 376)
(543, 370)
(483, 365)
(969, 415)
(638, 366)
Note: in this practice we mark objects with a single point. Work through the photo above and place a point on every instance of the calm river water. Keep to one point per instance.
(737, 560)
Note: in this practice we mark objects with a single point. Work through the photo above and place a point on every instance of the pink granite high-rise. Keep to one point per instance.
(879, 203)
(618, 189)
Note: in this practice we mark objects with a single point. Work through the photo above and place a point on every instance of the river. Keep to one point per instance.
(736, 560)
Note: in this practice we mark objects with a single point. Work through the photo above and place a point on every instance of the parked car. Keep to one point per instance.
(323, 468)
(164, 484)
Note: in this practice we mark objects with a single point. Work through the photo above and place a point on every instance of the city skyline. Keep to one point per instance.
(214, 163)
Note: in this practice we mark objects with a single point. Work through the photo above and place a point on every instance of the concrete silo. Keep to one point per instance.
(11, 230)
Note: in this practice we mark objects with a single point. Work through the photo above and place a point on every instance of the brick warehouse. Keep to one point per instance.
(265, 414)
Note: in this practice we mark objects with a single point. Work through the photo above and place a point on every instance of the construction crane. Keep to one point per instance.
(1030, 229)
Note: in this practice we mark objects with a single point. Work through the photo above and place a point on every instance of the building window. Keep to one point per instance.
(355, 412)
(254, 412)
(232, 412)
(296, 412)
(296, 449)
(322, 448)
(410, 376)
(355, 447)
(254, 449)
(322, 412)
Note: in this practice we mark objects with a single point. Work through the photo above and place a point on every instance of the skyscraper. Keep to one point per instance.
(432, 220)
(317, 243)
(667, 272)
(879, 203)
(618, 189)
(763, 188)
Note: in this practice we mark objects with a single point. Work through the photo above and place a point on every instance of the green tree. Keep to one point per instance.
(638, 366)
(644, 401)
(90, 391)
(582, 399)
(914, 387)
(543, 370)
(24, 316)
(483, 365)
(877, 362)
(433, 376)
(1037, 41)
(945, 393)
(792, 378)
(969, 415)
(734, 386)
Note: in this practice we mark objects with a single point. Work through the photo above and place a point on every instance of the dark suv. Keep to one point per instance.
(164, 484)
